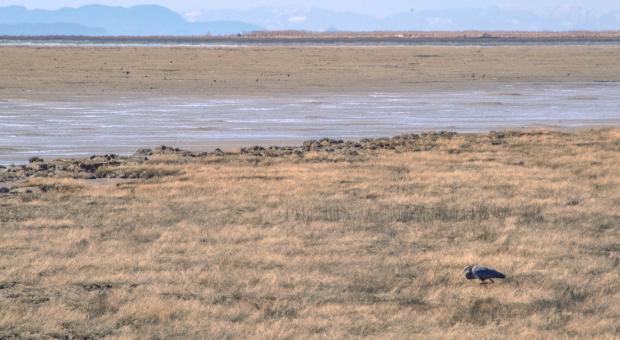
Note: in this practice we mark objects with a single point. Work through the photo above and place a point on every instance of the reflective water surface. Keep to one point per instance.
(223, 42)
(82, 126)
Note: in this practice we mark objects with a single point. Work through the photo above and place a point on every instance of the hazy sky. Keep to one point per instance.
(382, 7)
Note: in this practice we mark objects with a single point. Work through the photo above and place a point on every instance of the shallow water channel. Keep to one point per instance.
(74, 127)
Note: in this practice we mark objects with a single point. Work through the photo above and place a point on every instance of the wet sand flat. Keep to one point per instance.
(81, 126)
(60, 72)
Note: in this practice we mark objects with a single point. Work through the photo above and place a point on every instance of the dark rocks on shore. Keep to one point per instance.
(35, 160)
(115, 166)
(150, 152)
(96, 166)
(173, 151)
(252, 150)
(4, 190)
(405, 142)
(410, 142)
(89, 167)
(328, 145)
(167, 149)
(107, 157)
(325, 143)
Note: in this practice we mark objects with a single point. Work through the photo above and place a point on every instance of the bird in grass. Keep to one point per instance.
(482, 273)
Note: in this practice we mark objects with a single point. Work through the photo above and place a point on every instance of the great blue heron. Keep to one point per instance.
(482, 274)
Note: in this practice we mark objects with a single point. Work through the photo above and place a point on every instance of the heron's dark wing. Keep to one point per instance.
(488, 273)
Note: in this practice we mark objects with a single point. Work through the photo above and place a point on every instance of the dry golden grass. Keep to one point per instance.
(325, 247)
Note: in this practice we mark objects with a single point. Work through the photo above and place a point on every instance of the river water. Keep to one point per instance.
(75, 127)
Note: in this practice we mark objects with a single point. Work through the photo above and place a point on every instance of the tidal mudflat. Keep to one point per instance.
(77, 127)
(71, 101)
(56, 73)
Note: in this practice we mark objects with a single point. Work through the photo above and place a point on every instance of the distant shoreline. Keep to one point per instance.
(354, 38)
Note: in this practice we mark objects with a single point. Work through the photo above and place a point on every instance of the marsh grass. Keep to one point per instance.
(325, 246)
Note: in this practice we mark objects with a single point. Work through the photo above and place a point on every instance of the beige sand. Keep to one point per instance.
(36, 72)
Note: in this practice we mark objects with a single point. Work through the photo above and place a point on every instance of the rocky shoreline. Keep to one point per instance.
(114, 166)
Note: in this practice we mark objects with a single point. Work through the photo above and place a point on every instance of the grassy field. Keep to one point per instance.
(323, 244)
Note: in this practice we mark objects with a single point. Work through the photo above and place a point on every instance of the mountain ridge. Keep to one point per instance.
(155, 20)
(105, 20)
(492, 18)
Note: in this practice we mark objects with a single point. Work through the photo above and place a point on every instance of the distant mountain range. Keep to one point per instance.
(483, 19)
(156, 20)
(108, 20)
(49, 29)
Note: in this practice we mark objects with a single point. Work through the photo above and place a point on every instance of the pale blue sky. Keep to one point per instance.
(377, 7)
